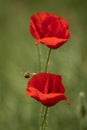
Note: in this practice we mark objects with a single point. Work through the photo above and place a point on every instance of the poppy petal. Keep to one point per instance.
(44, 81)
(51, 42)
(46, 99)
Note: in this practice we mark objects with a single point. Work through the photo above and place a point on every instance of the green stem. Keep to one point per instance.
(48, 57)
(39, 58)
(43, 125)
(80, 124)
(45, 109)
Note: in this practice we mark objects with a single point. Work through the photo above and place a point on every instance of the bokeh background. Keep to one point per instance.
(18, 54)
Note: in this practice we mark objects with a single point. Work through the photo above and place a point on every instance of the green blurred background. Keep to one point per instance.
(18, 55)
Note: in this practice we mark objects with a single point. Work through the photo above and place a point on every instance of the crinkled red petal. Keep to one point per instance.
(47, 83)
(36, 24)
(44, 24)
(51, 42)
(46, 99)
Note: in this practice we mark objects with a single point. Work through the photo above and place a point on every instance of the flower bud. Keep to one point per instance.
(82, 106)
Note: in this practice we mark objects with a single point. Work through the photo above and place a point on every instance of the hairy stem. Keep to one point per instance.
(43, 125)
(45, 109)
(47, 61)
(39, 58)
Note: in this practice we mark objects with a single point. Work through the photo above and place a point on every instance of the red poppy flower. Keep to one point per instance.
(46, 88)
(49, 29)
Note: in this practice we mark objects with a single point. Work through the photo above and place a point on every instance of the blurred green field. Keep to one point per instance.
(18, 55)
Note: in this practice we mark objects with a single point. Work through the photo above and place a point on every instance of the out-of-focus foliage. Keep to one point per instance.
(18, 54)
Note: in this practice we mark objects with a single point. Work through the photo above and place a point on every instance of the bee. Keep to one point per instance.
(27, 74)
